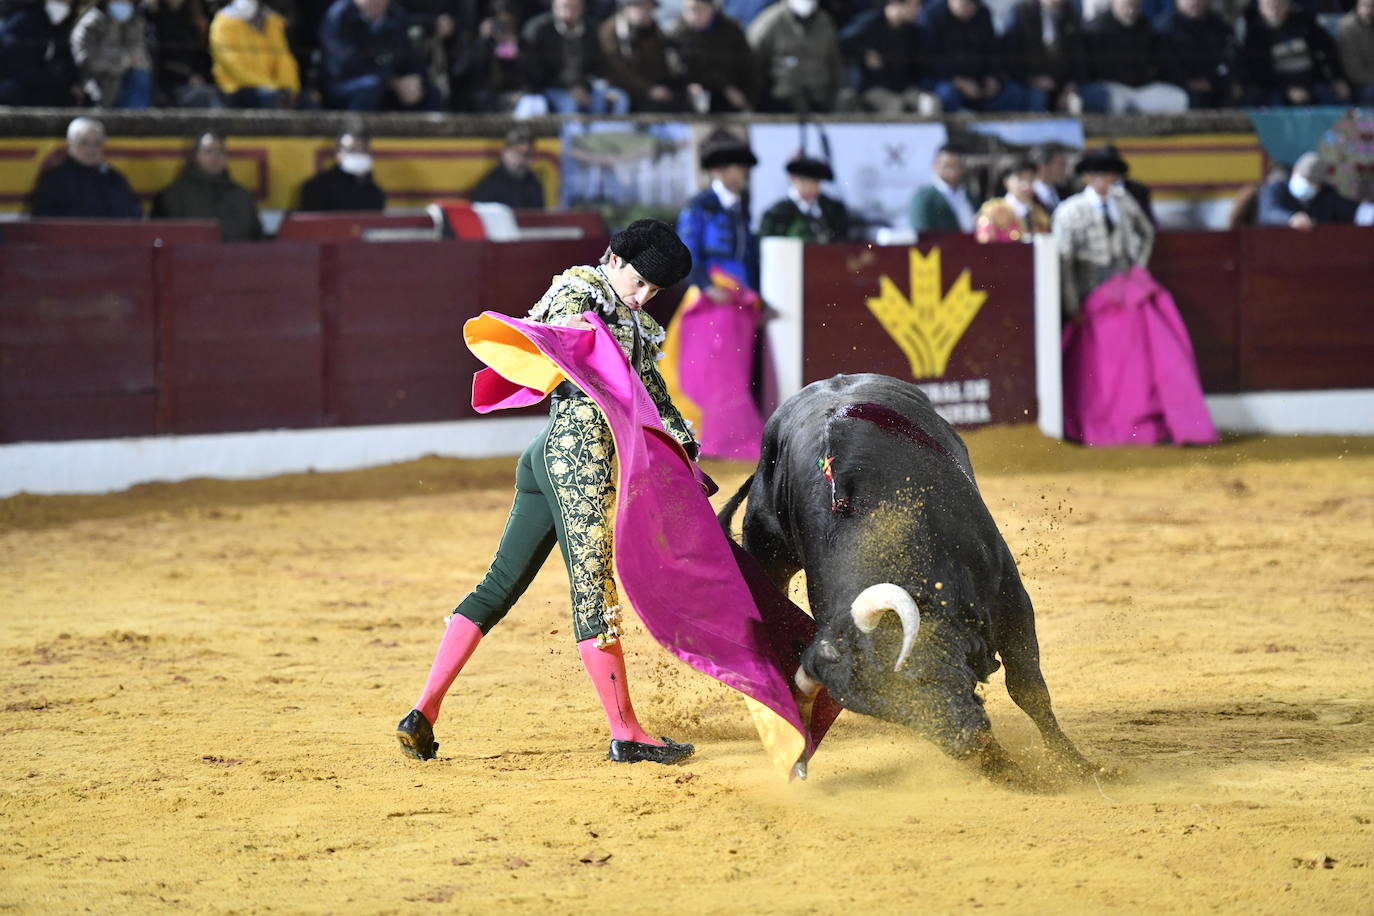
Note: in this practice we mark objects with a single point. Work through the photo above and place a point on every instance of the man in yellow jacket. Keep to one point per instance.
(253, 64)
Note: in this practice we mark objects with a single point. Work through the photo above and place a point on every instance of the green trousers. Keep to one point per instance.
(564, 494)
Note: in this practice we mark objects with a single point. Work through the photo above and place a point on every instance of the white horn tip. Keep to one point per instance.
(876, 600)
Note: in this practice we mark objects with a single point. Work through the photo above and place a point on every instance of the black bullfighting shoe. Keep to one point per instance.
(635, 751)
(417, 736)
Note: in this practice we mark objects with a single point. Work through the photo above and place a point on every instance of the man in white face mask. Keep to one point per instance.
(1304, 200)
(797, 47)
(110, 47)
(347, 185)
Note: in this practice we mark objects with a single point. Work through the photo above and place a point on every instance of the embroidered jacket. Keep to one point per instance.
(585, 289)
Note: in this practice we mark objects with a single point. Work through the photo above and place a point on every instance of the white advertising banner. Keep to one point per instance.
(877, 166)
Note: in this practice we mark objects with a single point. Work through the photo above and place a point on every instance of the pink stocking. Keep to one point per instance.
(461, 637)
(607, 669)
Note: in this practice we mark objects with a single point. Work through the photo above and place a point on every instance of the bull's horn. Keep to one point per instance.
(875, 601)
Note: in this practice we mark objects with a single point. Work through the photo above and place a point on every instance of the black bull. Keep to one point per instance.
(860, 483)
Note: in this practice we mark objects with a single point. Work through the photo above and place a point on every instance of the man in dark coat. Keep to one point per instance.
(805, 213)
(883, 45)
(36, 66)
(1198, 51)
(564, 63)
(83, 184)
(511, 181)
(347, 185)
(369, 61)
(1290, 58)
(962, 59)
(635, 53)
(1303, 200)
(1124, 65)
(713, 58)
(204, 190)
(1043, 49)
(715, 223)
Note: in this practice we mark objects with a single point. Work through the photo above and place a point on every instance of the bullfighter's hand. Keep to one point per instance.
(574, 321)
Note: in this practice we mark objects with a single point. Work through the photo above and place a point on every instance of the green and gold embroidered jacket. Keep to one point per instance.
(586, 289)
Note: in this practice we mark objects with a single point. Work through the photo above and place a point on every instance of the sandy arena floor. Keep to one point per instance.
(200, 683)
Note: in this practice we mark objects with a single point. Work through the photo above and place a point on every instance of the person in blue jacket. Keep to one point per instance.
(715, 223)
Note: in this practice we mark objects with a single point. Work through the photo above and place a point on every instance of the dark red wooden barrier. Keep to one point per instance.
(99, 341)
(77, 343)
(1308, 308)
(241, 337)
(346, 227)
(1202, 270)
(394, 316)
(108, 233)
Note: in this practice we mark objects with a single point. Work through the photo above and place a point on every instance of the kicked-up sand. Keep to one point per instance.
(201, 681)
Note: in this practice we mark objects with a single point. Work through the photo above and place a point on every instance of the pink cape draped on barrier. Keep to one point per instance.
(699, 594)
(1130, 377)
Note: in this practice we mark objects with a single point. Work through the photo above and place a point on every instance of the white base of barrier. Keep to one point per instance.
(106, 465)
(1283, 413)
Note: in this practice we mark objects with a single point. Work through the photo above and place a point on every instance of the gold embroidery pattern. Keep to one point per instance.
(578, 456)
(583, 289)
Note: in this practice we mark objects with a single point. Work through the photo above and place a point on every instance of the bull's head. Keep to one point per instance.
(875, 601)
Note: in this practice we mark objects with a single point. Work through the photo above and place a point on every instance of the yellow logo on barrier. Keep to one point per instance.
(928, 325)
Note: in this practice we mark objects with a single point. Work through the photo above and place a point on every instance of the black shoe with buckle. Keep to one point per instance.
(634, 751)
(417, 736)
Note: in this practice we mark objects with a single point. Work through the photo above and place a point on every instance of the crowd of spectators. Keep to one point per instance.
(617, 56)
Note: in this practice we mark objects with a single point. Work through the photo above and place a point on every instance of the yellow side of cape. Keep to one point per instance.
(513, 355)
(672, 359)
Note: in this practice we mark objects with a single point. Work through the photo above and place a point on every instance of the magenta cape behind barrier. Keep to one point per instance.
(715, 344)
(698, 594)
(1130, 377)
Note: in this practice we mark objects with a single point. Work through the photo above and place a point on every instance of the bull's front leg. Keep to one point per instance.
(961, 729)
(1026, 684)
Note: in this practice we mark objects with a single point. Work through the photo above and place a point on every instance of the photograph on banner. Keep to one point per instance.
(877, 167)
(628, 171)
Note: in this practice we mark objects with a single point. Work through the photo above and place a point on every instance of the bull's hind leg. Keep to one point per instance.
(1026, 685)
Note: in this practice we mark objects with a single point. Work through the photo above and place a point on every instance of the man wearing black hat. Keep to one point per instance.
(805, 213)
(1101, 231)
(565, 494)
(715, 223)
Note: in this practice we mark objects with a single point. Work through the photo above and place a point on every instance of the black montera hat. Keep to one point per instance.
(651, 247)
(806, 167)
(724, 149)
(1105, 159)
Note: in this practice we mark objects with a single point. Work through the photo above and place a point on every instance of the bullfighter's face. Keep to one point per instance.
(632, 289)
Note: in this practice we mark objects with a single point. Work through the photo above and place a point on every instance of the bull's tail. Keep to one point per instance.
(726, 515)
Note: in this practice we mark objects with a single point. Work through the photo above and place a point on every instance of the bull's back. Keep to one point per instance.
(796, 429)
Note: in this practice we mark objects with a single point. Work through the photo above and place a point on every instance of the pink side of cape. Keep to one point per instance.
(699, 595)
(1130, 377)
(715, 369)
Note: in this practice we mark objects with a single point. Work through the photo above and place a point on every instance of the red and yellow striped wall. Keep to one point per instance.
(1193, 166)
(413, 172)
